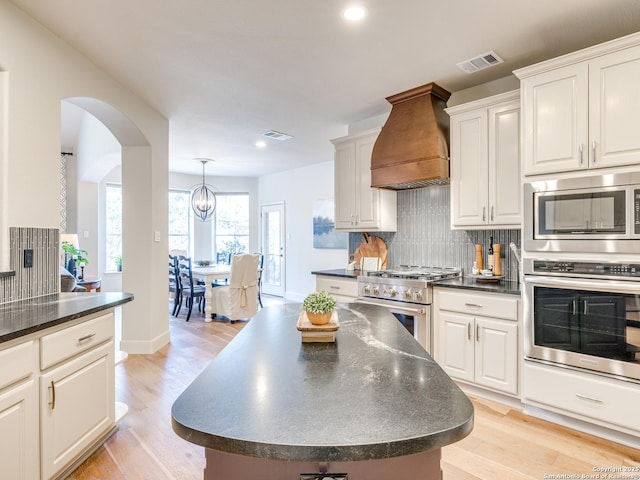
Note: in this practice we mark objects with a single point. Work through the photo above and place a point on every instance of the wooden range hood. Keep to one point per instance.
(412, 149)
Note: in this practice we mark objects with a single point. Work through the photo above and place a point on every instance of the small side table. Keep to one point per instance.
(90, 283)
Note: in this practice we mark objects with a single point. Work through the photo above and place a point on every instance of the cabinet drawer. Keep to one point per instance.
(488, 305)
(71, 341)
(17, 363)
(338, 286)
(583, 395)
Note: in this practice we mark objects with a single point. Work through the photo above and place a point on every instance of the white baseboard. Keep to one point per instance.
(145, 346)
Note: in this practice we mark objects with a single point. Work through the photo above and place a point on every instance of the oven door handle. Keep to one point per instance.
(418, 311)
(599, 285)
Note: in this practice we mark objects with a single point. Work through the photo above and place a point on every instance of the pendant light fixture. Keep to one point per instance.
(203, 199)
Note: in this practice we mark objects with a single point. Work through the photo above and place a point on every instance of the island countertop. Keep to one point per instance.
(23, 317)
(373, 394)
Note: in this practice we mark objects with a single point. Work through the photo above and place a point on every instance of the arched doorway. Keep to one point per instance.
(144, 223)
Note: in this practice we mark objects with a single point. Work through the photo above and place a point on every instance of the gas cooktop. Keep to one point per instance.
(413, 272)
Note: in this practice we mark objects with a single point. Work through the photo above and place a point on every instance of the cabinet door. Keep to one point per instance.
(469, 168)
(555, 120)
(367, 198)
(496, 354)
(77, 406)
(19, 432)
(614, 109)
(505, 198)
(457, 345)
(345, 168)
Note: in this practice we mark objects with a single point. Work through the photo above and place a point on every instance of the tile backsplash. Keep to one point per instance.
(41, 279)
(425, 238)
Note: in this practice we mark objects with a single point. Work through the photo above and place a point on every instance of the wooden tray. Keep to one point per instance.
(304, 325)
(311, 333)
(486, 278)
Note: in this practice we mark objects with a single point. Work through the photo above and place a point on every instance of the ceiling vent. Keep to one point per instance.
(480, 62)
(277, 135)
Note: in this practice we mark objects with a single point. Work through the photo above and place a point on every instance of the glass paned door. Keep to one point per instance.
(272, 241)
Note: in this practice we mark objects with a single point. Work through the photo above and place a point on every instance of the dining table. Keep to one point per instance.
(208, 274)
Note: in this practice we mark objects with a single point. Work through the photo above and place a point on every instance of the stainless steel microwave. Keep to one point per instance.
(584, 214)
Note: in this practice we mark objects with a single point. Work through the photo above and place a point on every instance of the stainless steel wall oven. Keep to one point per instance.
(583, 314)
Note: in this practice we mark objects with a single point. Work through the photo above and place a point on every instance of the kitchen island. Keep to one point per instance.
(373, 404)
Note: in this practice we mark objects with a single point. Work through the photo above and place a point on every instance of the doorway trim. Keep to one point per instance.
(270, 287)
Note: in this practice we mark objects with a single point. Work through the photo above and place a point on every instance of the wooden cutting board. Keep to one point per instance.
(372, 246)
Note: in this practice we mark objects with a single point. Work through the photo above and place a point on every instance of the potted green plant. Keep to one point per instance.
(319, 307)
(74, 257)
(119, 263)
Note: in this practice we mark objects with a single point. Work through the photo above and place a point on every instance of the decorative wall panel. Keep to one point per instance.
(425, 238)
(41, 279)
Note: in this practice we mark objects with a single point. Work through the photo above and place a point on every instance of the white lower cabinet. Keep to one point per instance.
(477, 337)
(77, 407)
(19, 414)
(593, 398)
(57, 397)
(342, 289)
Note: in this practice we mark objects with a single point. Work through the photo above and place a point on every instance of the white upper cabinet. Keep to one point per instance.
(485, 162)
(358, 207)
(582, 111)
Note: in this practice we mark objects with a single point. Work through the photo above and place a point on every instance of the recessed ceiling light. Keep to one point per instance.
(353, 14)
(261, 144)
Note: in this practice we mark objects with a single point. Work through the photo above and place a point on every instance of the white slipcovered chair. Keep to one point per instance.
(239, 299)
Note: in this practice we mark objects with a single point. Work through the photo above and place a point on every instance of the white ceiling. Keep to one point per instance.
(224, 72)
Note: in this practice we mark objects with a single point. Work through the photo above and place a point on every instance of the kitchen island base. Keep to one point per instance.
(229, 466)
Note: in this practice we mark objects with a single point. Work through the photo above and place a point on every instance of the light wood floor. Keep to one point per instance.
(505, 443)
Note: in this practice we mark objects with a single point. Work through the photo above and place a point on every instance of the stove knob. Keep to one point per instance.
(407, 294)
(376, 290)
(417, 295)
(366, 289)
(393, 292)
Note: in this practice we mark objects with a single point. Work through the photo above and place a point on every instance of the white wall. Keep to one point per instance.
(43, 70)
(299, 188)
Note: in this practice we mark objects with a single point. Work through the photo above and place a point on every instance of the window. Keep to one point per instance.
(179, 220)
(231, 233)
(113, 241)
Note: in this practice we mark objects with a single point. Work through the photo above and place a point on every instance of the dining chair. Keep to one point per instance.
(190, 290)
(222, 258)
(260, 265)
(239, 299)
(174, 284)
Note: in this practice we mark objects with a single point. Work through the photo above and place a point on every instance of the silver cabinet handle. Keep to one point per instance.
(575, 307)
(591, 399)
(473, 305)
(580, 149)
(593, 147)
(333, 287)
(86, 337)
(492, 213)
(477, 333)
(469, 331)
(53, 395)
(352, 220)
(483, 213)
(585, 310)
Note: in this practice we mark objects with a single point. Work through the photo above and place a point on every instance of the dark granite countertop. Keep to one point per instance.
(338, 272)
(374, 393)
(511, 288)
(23, 317)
